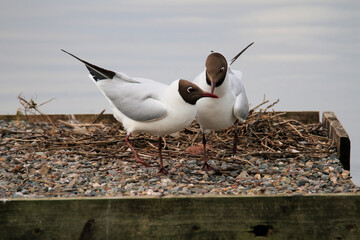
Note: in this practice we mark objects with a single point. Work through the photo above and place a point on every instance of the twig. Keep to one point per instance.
(194, 139)
(80, 125)
(99, 116)
(271, 105)
(295, 129)
(33, 105)
(43, 181)
(259, 105)
(152, 145)
(45, 102)
(244, 160)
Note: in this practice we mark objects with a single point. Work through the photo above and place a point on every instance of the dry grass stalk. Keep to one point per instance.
(32, 107)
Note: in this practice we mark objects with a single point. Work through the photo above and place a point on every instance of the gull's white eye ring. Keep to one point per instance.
(190, 89)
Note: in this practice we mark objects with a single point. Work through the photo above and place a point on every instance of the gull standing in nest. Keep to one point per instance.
(231, 106)
(144, 105)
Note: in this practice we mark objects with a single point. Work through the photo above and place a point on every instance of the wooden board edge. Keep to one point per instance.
(305, 117)
(277, 217)
(341, 139)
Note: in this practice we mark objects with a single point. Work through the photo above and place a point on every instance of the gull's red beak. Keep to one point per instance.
(212, 87)
(207, 94)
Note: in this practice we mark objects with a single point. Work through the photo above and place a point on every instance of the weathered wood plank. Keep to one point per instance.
(337, 133)
(331, 216)
(306, 117)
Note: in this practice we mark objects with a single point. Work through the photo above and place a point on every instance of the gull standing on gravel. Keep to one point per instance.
(231, 106)
(144, 105)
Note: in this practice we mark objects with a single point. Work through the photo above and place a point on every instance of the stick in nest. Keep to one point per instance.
(76, 125)
(32, 105)
(244, 160)
(99, 116)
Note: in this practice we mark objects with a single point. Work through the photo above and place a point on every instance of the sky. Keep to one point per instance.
(306, 53)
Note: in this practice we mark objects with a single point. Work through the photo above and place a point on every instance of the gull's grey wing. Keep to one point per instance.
(138, 99)
(241, 106)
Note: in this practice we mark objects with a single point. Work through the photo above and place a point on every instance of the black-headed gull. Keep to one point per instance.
(231, 106)
(144, 105)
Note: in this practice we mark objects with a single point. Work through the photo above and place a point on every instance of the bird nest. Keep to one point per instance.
(265, 133)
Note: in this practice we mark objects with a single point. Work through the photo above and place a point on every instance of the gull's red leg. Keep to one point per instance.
(136, 156)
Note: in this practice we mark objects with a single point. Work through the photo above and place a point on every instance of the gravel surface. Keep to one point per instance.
(35, 164)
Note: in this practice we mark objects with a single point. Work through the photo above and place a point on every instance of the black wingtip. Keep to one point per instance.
(96, 72)
(73, 56)
(236, 57)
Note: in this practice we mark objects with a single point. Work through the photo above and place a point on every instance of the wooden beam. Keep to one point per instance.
(306, 117)
(337, 133)
(330, 216)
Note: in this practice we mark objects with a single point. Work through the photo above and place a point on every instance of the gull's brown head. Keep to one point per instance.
(190, 92)
(216, 69)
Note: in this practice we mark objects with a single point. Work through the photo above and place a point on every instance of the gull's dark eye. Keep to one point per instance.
(190, 89)
(222, 69)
